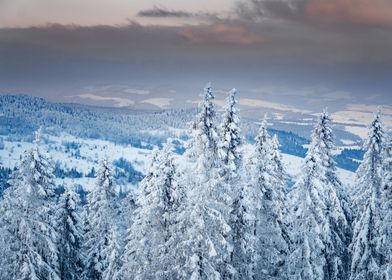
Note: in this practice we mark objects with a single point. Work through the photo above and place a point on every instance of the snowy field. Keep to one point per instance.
(90, 152)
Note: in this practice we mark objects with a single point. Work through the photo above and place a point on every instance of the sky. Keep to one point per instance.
(284, 55)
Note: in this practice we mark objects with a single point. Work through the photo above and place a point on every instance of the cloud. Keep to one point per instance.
(159, 12)
(250, 102)
(55, 61)
(352, 13)
(115, 90)
(159, 102)
(162, 12)
(119, 102)
(376, 13)
(260, 9)
(221, 33)
(136, 91)
(384, 109)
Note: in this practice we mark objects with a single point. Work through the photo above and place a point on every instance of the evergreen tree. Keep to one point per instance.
(326, 147)
(367, 257)
(204, 136)
(100, 221)
(337, 235)
(385, 240)
(307, 259)
(29, 236)
(271, 246)
(205, 244)
(278, 176)
(320, 224)
(230, 138)
(368, 173)
(231, 157)
(113, 256)
(148, 252)
(69, 226)
(245, 256)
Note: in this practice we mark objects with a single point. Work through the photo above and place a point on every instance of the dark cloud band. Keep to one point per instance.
(162, 12)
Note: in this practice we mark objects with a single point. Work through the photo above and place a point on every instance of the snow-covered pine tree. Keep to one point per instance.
(204, 136)
(148, 253)
(245, 256)
(113, 256)
(321, 228)
(129, 204)
(368, 173)
(230, 138)
(231, 156)
(271, 246)
(326, 147)
(205, 243)
(338, 212)
(385, 242)
(307, 259)
(29, 249)
(278, 176)
(70, 241)
(367, 257)
(100, 215)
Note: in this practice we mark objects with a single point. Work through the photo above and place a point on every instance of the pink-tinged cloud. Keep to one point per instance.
(362, 12)
(220, 33)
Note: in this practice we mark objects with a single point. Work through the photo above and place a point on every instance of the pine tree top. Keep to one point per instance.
(262, 139)
(230, 138)
(376, 134)
(105, 179)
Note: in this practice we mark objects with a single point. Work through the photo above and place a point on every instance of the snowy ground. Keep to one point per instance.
(294, 164)
(92, 151)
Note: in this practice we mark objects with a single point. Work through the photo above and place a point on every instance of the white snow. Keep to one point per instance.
(92, 151)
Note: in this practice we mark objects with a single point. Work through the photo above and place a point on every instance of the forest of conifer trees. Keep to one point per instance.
(220, 211)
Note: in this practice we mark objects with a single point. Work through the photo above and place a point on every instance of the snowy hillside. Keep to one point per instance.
(208, 204)
(21, 115)
(82, 155)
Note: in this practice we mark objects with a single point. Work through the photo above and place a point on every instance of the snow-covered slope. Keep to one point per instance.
(20, 116)
(294, 164)
(82, 155)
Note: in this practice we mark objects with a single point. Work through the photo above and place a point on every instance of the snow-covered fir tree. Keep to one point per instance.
(205, 243)
(149, 253)
(271, 246)
(337, 209)
(204, 134)
(307, 260)
(129, 204)
(385, 241)
(367, 257)
(70, 239)
(321, 231)
(245, 256)
(230, 153)
(326, 148)
(114, 258)
(278, 176)
(230, 138)
(29, 249)
(368, 173)
(100, 215)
